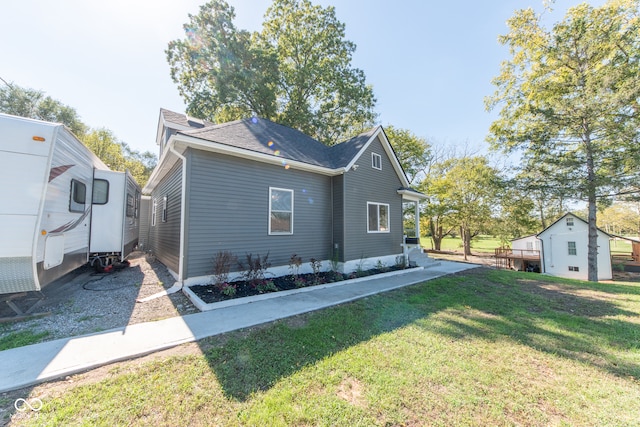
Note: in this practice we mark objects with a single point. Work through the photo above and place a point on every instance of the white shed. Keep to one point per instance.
(565, 245)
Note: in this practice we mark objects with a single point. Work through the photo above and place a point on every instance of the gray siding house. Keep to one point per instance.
(255, 187)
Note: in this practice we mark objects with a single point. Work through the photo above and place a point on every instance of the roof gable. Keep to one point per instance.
(568, 214)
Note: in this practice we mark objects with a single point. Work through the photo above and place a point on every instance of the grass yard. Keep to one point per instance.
(482, 244)
(483, 347)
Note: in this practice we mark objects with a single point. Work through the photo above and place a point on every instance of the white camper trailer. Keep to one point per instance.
(114, 217)
(47, 180)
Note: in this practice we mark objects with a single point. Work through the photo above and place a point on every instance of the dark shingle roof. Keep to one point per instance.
(266, 137)
(343, 153)
(183, 119)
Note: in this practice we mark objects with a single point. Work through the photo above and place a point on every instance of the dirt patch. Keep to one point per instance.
(351, 390)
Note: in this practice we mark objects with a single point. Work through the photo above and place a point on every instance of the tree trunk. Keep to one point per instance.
(465, 234)
(592, 257)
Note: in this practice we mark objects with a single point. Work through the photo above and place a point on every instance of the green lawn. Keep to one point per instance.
(482, 348)
(482, 243)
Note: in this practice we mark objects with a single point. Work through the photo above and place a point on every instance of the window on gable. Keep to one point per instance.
(529, 246)
(280, 211)
(378, 217)
(572, 248)
(78, 196)
(569, 221)
(376, 161)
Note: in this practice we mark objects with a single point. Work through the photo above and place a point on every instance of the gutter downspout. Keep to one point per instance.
(183, 208)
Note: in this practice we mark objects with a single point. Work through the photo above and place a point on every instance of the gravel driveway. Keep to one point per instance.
(86, 302)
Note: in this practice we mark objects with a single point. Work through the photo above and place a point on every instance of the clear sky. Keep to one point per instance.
(430, 62)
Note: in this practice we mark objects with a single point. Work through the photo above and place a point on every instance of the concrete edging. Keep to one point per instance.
(203, 306)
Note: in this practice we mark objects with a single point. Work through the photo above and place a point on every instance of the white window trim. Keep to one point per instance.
(575, 248)
(154, 212)
(280, 233)
(569, 221)
(165, 203)
(375, 156)
(388, 230)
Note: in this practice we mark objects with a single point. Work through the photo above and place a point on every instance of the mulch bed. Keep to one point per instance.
(214, 293)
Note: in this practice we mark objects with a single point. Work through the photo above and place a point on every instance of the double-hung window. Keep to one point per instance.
(376, 161)
(378, 217)
(572, 248)
(280, 211)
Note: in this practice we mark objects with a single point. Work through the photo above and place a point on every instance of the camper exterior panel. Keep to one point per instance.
(24, 169)
(131, 216)
(114, 224)
(107, 219)
(50, 166)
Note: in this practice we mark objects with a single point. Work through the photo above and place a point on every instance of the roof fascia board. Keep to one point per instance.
(412, 195)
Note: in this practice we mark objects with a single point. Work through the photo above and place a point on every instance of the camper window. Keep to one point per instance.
(130, 205)
(137, 204)
(78, 196)
(100, 192)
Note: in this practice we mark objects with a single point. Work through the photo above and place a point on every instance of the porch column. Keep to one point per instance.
(417, 219)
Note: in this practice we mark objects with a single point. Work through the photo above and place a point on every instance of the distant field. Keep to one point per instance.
(485, 244)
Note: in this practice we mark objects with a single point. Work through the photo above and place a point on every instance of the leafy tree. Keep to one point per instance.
(119, 156)
(467, 192)
(413, 152)
(621, 218)
(102, 142)
(32, 103)
(569, 98)
(514, 217)
(297, 71)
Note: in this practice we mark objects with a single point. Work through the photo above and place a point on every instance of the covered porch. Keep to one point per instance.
(411, 247)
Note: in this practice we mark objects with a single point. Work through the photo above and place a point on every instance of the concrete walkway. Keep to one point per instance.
(37, 363)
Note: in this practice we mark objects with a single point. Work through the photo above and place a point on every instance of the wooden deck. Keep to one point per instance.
(519, 259)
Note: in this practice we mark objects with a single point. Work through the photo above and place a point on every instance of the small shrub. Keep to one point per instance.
(294, 264)
(381, 266)
(335, 261)
(401, 262)
(227, 289)
(316, 265)
(265, 286)
(255, 269)
(222, 263)
(299, 282)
